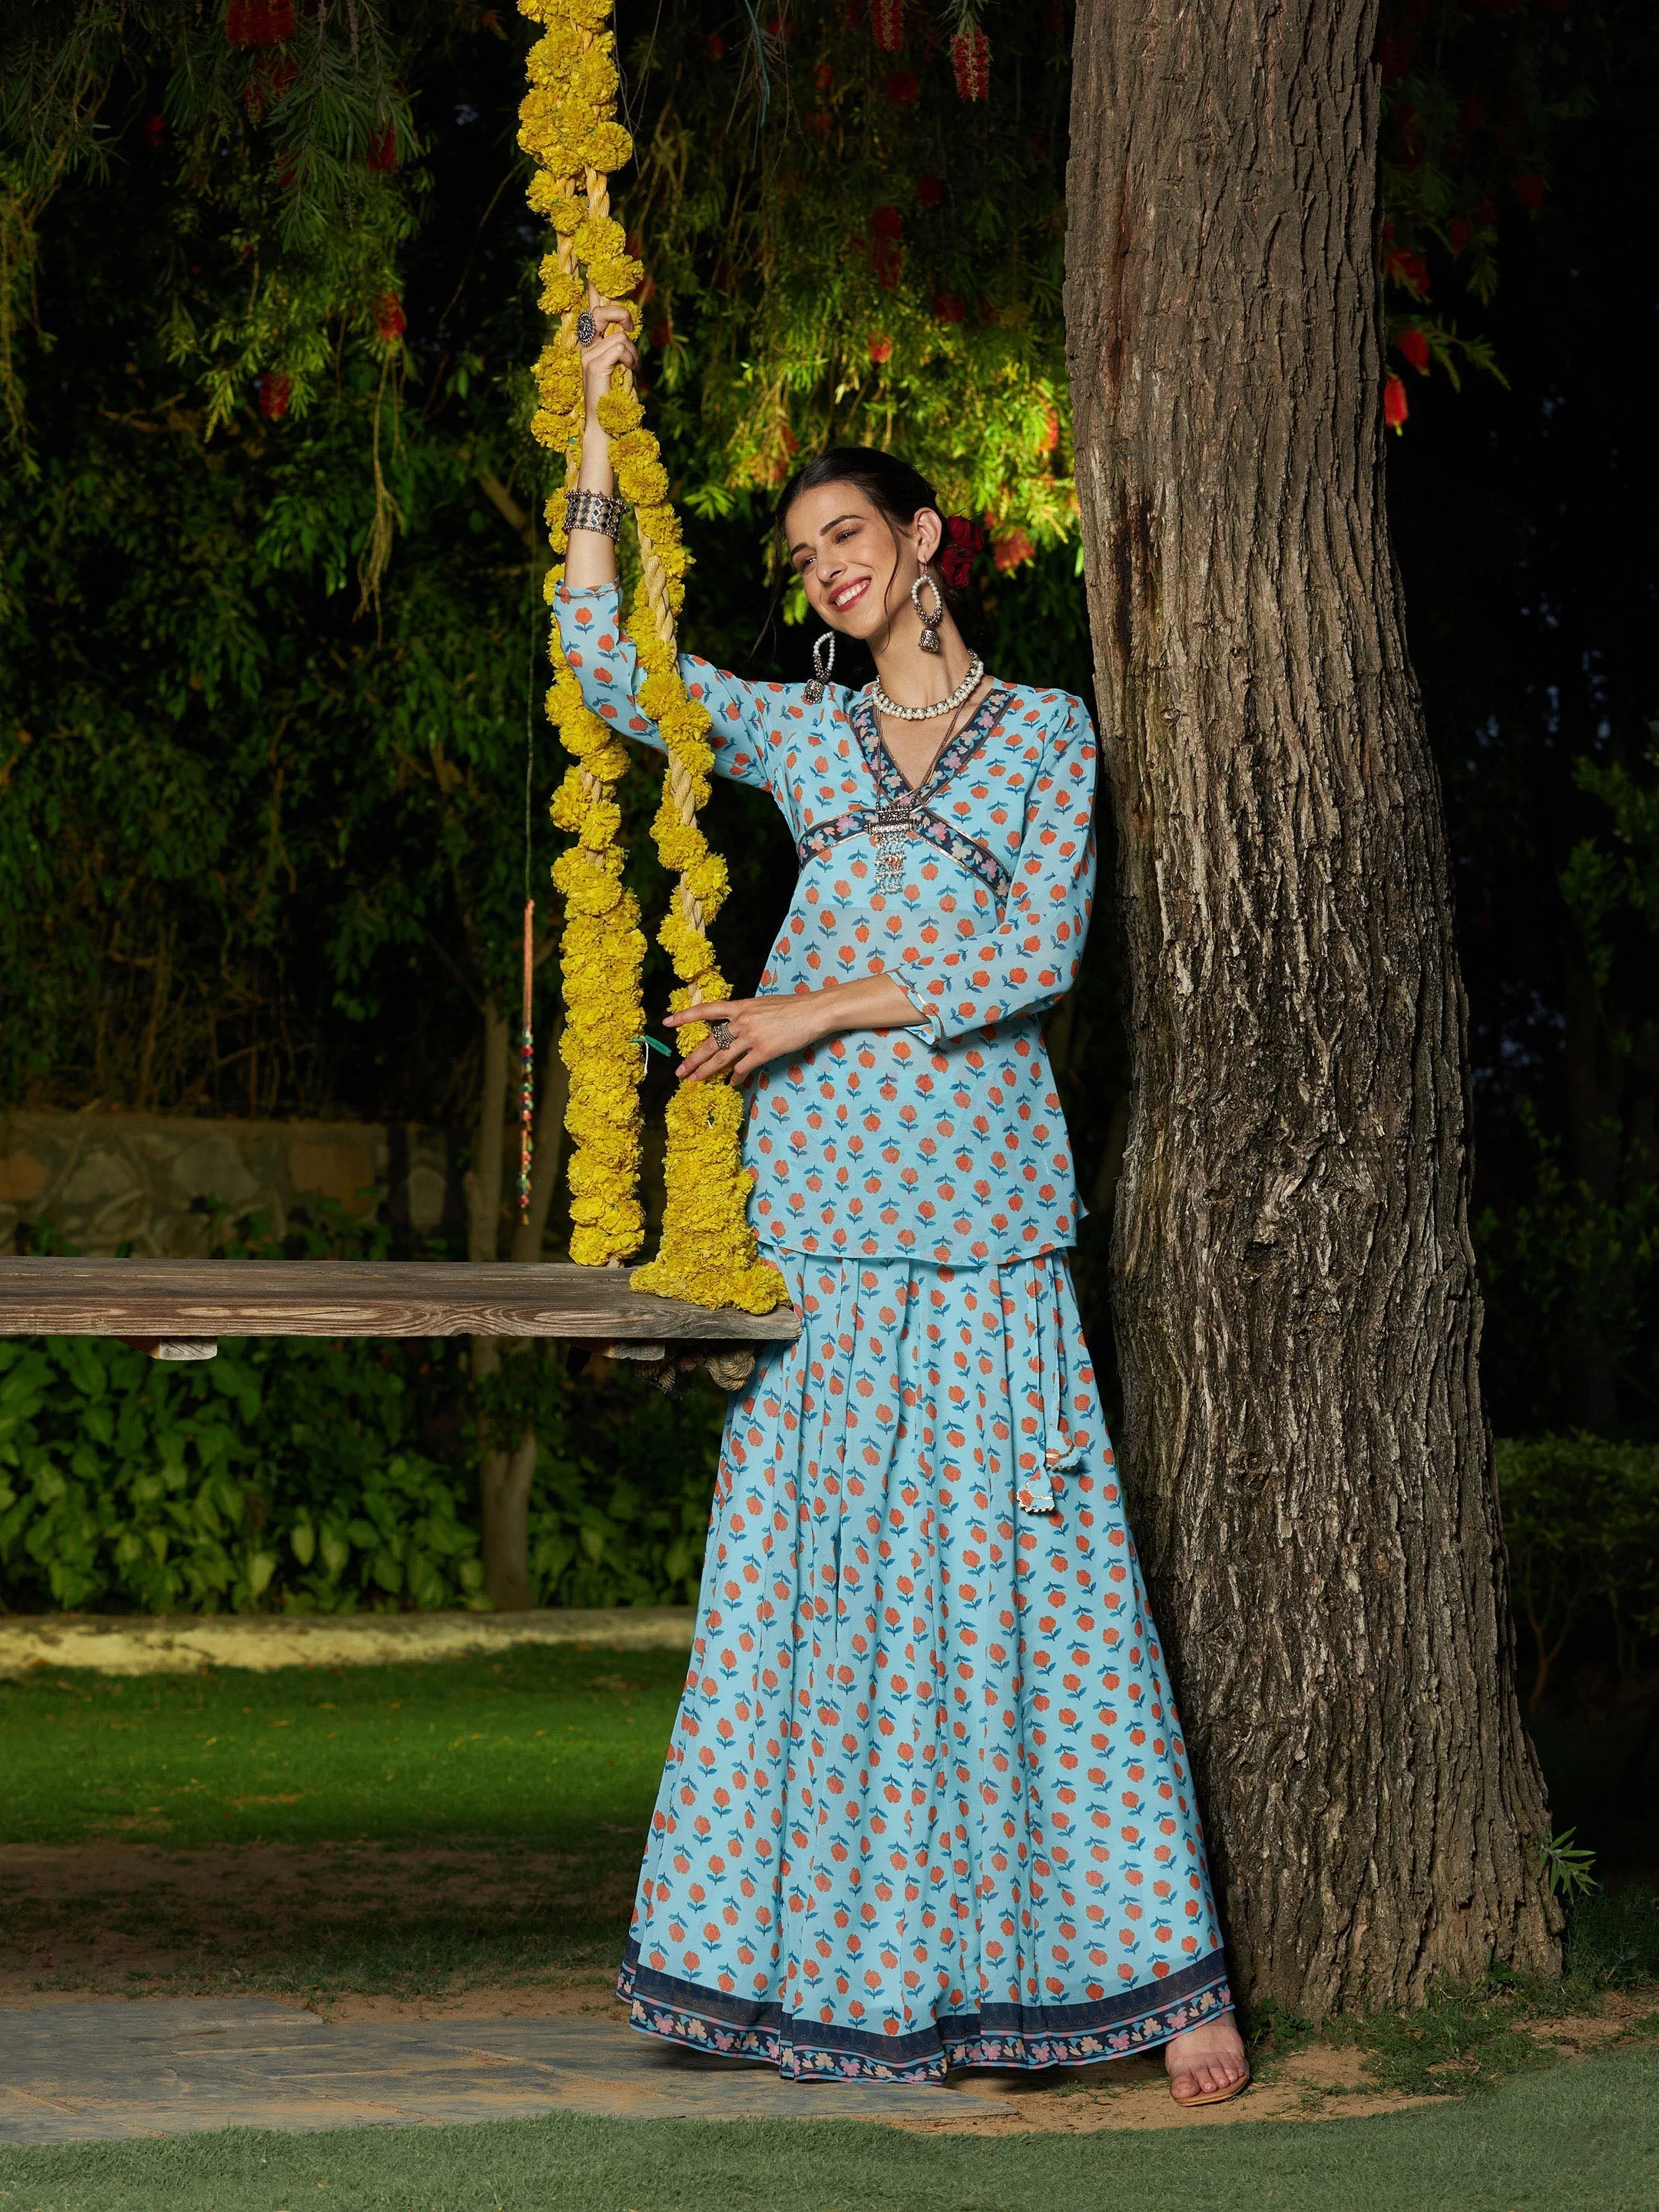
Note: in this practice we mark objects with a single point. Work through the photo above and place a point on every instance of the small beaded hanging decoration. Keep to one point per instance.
(527, 1070)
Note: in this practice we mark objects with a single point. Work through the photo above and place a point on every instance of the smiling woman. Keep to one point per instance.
(926, 1804)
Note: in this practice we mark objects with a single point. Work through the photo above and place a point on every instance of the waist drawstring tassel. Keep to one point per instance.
(1058, 1447)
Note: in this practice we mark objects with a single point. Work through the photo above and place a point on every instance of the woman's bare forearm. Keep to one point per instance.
(591, 557)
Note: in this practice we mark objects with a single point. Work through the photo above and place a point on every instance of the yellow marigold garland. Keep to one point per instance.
(708, 1252)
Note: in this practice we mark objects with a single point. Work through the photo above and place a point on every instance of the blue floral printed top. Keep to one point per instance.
(944, 1143)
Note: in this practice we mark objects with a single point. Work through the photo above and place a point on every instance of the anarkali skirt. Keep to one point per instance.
(926, 1803)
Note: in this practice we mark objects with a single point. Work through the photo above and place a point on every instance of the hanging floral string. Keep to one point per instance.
(708, 1252)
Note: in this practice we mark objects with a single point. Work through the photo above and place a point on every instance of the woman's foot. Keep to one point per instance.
(1206, 2065)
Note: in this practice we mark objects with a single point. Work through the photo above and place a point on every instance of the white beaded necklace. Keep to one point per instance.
(886, 706)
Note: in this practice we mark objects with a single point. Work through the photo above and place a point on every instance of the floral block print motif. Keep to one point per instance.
(927, 1802)
(947, 1145)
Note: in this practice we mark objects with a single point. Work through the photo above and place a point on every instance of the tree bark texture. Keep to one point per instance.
(1298, 1321)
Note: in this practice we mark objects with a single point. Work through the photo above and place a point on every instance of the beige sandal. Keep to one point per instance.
(1210, 2096)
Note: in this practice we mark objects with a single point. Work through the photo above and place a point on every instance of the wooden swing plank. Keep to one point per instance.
(206, 1299)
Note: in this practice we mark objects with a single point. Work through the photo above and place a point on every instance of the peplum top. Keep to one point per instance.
(944, 1143)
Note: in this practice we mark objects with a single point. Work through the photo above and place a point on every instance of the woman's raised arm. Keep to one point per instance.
(747, 718)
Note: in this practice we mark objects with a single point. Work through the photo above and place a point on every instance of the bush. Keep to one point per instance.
(1581, 1521)
(322, 1475)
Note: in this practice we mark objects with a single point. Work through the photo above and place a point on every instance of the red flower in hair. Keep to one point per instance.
(963, 540)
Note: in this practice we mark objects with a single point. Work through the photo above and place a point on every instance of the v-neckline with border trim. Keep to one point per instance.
(891, 789)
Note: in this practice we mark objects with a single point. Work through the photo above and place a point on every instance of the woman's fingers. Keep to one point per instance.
(708, 1010)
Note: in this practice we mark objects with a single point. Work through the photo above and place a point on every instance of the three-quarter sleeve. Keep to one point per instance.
(1032, 959)
(606, 667)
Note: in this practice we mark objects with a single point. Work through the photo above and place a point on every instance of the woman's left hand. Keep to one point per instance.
(762, 1029)
(771, 1029)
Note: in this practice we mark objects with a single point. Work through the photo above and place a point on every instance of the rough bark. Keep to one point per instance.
(1297, 1315)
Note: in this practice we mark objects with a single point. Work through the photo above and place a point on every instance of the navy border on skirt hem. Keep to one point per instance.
(1013, 2036)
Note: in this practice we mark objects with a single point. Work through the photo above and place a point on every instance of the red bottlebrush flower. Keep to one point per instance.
(1529, 191)
(390, 320)
(949, 308)
(1485, 212)
(1473, 115)
(986, 306)
(885, 259)
(1413, 347)
(887, 222)
(661, 333)
(970, 57)
(881, 347)
(1010, 551)
(382, 154)
(155, 127)
(854, 14)
(282, 73)
(274, 390)
(930, 190)
(900, 87)
(259, 23)
(716, 47)
(1048, 438)
(1394, 410)
(823, 75)
(1458, 233)
(1407, 269)
(887, 25)
(1394, 55)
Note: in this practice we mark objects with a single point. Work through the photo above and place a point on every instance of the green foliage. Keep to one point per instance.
(1613, 1938)
(1581, 1521)
(1572, 1263)
(299, 1475)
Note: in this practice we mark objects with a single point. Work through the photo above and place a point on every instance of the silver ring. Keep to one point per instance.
(587, 328)
(722, 1033)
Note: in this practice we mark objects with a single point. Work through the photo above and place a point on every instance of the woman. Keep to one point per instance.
(926, 1803)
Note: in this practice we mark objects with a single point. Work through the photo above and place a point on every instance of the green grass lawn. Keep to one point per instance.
(1582, 2138)
(543, 1747)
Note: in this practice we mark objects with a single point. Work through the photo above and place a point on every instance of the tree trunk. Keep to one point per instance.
(1297, 1312)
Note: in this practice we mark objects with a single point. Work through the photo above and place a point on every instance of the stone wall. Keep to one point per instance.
(150, 1183)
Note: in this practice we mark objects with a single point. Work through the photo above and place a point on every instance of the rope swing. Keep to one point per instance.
(708, 1253)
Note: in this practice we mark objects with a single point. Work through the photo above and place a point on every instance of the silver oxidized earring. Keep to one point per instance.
(929, 623)
(823, 663)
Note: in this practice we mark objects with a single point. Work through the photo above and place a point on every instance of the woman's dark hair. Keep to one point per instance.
(894, 488)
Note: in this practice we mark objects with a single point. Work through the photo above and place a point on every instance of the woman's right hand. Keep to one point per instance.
(612, 348)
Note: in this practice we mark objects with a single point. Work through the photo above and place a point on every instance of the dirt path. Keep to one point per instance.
(365, 1932)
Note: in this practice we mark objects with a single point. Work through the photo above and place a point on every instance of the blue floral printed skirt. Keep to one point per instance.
(926, 1803)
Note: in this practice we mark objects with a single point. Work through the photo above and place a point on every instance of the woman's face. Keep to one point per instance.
(842, 548)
